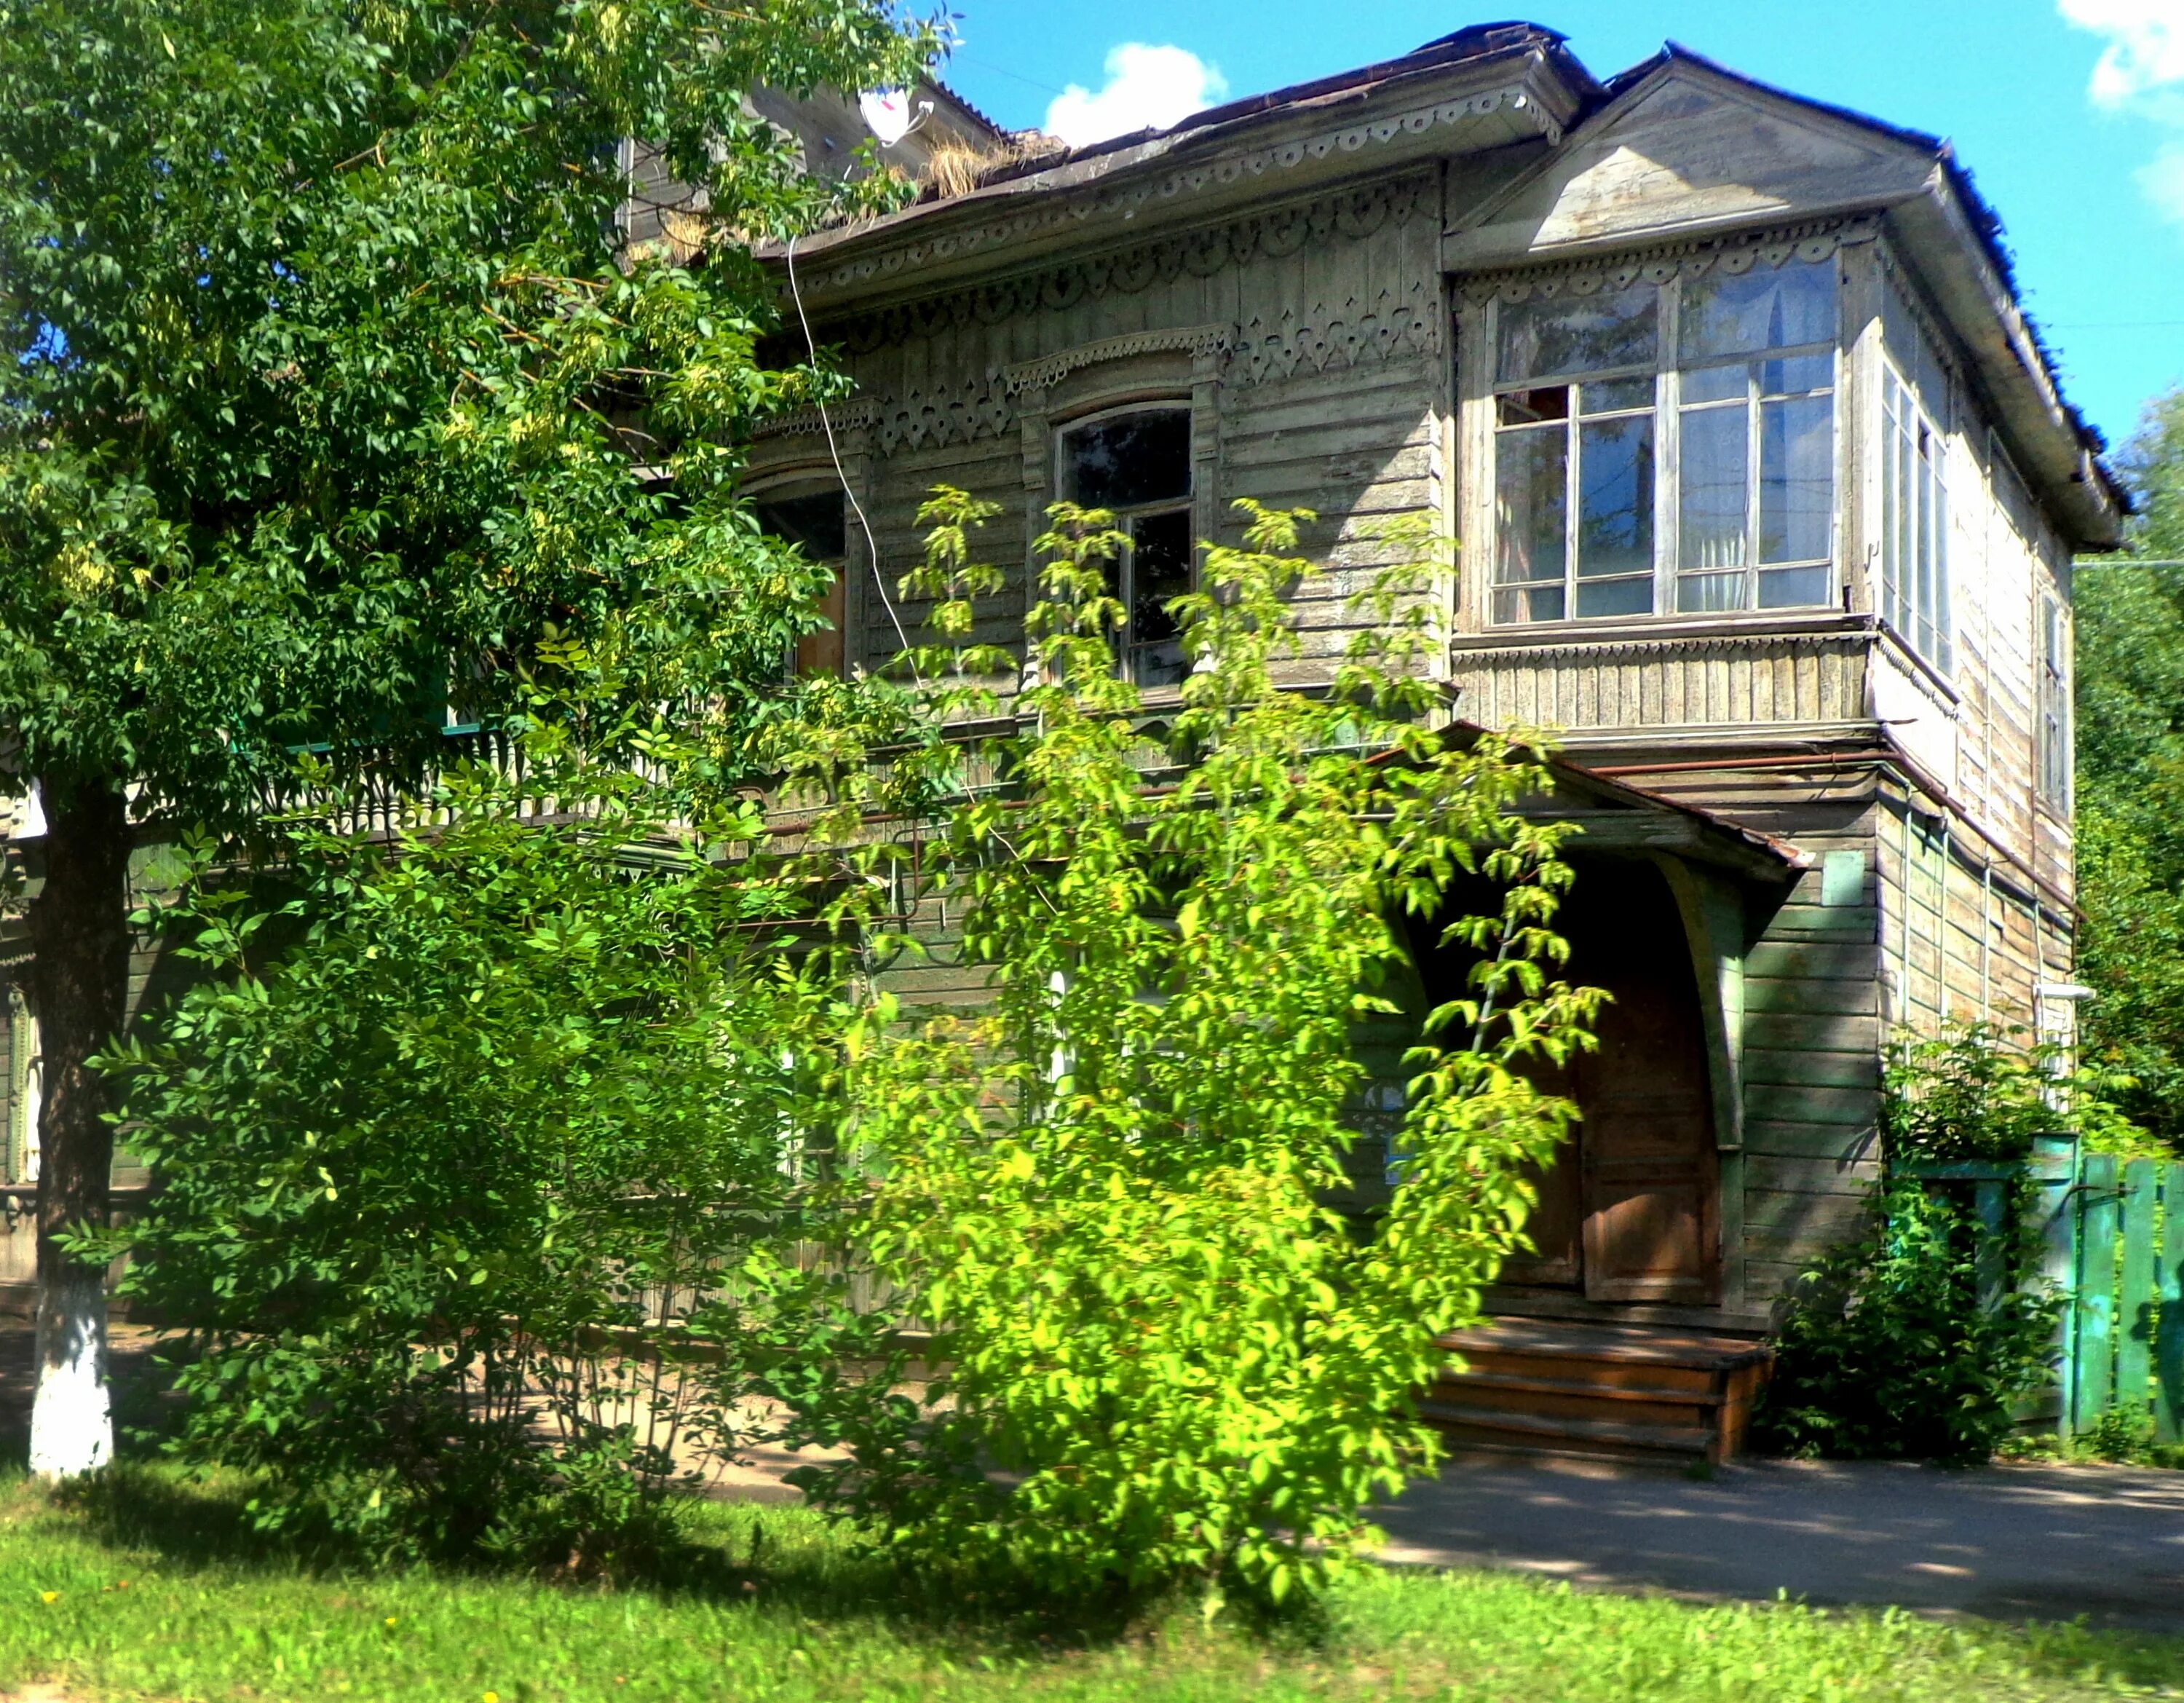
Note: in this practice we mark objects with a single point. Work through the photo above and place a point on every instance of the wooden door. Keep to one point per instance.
(1629, 1210)
(1651, 1175)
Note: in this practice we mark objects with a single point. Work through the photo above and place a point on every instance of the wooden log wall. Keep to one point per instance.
(1308, 339)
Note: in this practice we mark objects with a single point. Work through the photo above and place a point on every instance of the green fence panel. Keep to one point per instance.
(2169, 1331)
(2134, 1319)
(2093, 1384)
(2052, 1214)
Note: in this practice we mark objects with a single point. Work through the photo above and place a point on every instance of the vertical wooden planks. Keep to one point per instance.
(2169, 1297)
(2095, 1378)
(2135, 1313)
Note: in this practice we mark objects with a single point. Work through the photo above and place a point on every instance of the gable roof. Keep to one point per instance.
(1492, 85)
(1945, 230)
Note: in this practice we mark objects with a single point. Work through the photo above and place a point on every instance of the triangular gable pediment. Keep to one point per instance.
(1689, 147)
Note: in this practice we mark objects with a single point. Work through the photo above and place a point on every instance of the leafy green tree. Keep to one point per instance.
(2131, 786)
(521, 1092)
(1117, 1199)
(321, 380)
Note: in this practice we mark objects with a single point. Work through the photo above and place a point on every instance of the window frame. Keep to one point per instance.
(2054, 777)
(1903, 608)
(1668, 410)
(1127, 518)
(805, 658)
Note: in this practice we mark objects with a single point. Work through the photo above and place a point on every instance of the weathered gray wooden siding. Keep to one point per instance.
(1309, 338)
(1719, 679)
(1812, 1075)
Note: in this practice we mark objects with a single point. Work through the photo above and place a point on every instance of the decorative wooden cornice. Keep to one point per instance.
(1053, 208)
(1198, 341)
(1815, 240)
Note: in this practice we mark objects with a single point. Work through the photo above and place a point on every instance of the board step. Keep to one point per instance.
(1579, 1386)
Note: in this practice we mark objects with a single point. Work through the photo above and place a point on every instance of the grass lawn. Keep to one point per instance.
(152, 1589)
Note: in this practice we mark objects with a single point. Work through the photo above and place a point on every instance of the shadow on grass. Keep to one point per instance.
(784, 1560)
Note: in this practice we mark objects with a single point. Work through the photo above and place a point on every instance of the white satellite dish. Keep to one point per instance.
(886, 111)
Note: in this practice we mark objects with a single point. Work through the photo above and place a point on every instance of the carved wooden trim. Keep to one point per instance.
(1354, 215)
(1487, 655)
(1814, 240)
(1004, 232)
(859, 414)
(1199, 342)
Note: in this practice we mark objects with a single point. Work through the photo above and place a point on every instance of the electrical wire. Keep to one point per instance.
(834, 454)
(871, 543)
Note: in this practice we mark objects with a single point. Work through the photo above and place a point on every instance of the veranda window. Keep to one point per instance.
(1137, 464)
(2054, 703)
(1667, 447)
(1914, 524)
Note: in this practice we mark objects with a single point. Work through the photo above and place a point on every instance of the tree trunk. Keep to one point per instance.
(79, 931)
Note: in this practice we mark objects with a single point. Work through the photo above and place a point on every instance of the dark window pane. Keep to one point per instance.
(1611, 395)
(1615, 597)
(1529, 407)
(1615, 511)
(815, 522)
(1136, 458)
(1529, 603)
(1531, 504)
(1545, 337)
(1793, 588)
(1160, 553)
(1797, 478)
(1769, 307)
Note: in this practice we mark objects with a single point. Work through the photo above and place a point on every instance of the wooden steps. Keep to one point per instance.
(1617, 1392)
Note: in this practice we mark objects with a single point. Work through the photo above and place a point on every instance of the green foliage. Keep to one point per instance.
(1113, 1199)
(1888, 1348)
(324, 376)
(2131, 788)
(1975, 1092)
(1893, 1345)
(519, 1087)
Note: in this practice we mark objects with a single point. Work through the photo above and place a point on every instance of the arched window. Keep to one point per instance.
(1136, 463)
(812, 515)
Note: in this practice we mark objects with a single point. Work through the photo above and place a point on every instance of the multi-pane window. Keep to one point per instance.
(2054, 702)
(1756, 511)
(1914, 524)
(1667, 447)
(1137, 465)
(817, 522)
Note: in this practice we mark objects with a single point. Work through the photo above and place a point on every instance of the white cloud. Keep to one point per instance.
(2145, 54)
(1147, 87)
(2141, 71)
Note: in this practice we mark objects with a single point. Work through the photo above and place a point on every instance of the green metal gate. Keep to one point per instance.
(2110, 1238)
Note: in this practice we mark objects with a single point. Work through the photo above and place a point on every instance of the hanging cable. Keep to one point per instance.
(834, 454)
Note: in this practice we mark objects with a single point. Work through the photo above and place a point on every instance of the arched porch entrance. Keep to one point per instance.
(1630, 1210)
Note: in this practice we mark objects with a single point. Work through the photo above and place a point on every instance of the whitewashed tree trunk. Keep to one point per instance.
(80, 982)
(71, 1421)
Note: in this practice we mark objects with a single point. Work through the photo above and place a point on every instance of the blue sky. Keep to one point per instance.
(2070, 113)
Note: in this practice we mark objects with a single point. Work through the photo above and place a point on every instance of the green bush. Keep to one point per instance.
(1975, 1091)
(1886, 1351)
(1168, 1355)
(1889, 1347)
(515, 1089)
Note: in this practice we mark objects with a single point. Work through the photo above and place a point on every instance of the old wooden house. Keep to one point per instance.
(1767, 499)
